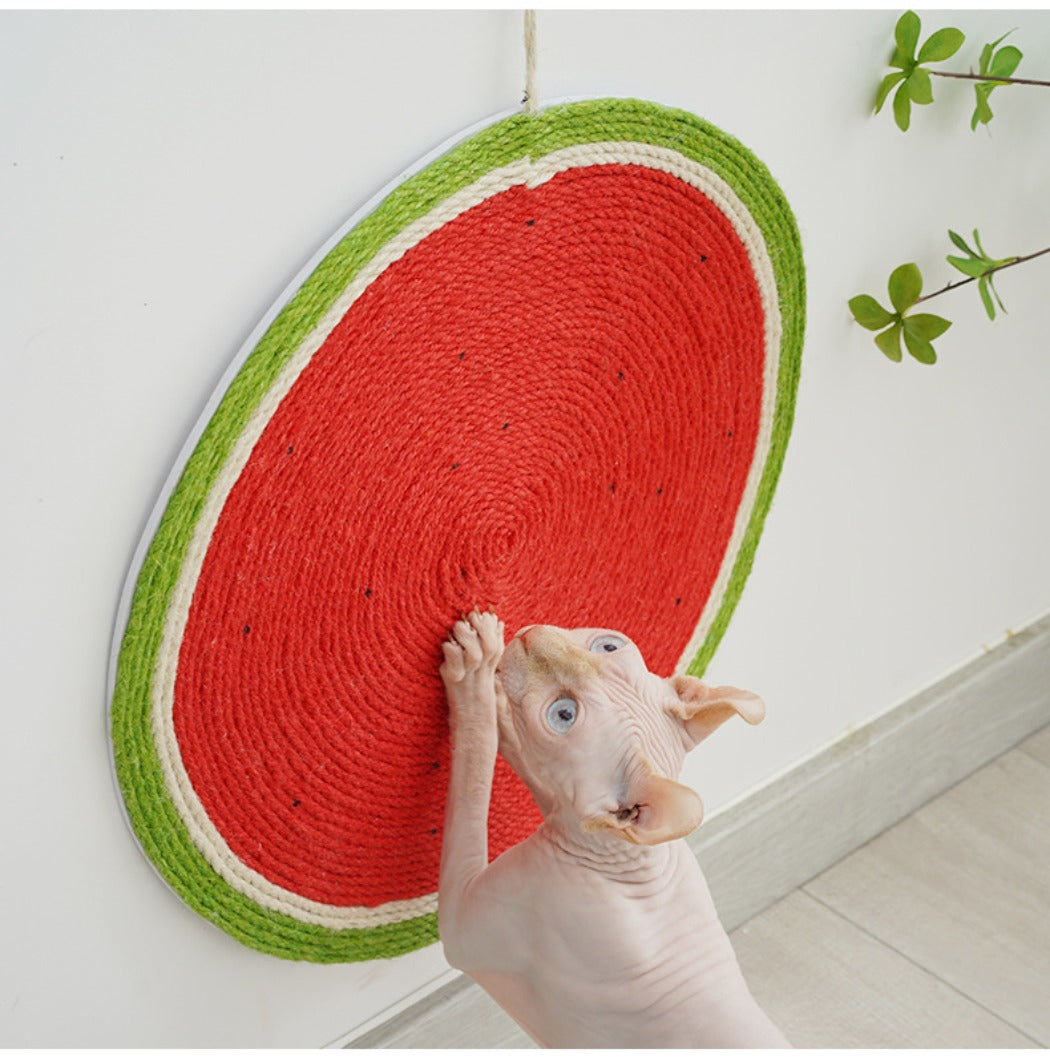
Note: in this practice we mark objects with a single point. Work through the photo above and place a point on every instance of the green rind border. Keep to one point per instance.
(153, 818)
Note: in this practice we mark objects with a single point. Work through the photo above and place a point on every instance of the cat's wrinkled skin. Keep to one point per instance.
(599, 930)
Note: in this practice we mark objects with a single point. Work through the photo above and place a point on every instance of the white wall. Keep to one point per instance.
(163, 176)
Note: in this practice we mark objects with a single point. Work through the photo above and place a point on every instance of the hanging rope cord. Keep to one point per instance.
(531, 99)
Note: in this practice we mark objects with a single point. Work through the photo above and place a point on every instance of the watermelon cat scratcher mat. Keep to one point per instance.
(551, 372)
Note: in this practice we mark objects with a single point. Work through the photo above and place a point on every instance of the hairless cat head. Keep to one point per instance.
(599, 739)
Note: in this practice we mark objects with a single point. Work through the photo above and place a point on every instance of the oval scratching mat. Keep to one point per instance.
(553, 373)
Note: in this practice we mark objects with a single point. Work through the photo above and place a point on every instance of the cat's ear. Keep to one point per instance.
(703, 709)
(656, 809)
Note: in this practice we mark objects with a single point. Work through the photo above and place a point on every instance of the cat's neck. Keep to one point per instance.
(618, 859)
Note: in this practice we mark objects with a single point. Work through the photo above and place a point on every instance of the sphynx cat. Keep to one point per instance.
(598, 930)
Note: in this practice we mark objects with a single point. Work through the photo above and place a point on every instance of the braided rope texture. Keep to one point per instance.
(554, 373)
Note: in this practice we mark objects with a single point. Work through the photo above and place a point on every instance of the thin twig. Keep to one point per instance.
(985, 77)
(974, 278)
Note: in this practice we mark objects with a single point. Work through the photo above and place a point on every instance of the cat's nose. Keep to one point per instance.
(543, 639)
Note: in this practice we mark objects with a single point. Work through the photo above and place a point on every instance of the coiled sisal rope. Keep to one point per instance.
(553, 372)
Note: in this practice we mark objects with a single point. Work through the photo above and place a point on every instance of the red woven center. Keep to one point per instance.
(549, 406)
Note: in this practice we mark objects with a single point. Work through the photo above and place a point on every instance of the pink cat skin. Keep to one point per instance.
(599, 930)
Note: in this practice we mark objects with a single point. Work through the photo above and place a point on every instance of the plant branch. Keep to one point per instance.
(974, 278)
(985, 77)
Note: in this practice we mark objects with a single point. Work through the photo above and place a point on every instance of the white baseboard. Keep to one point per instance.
(800, 823)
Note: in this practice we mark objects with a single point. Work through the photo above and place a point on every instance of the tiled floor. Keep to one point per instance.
(934, 934)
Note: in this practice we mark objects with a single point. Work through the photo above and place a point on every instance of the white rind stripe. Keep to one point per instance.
(521, 173)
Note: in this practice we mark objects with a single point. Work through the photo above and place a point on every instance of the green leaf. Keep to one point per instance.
(906, 33)
(995, 43)
(902, 62)
(986, 56)
(977, 243)
(905, 286)
(942, 45)
(961, 243)
(926, 325)
(919, 87)
(974, 267)
(983, 285)
(1005, 62)
(991, 286)
(886, 87)
(889, 341)
(869, 313)
(919, 347)
(982, 113)
(902, 107)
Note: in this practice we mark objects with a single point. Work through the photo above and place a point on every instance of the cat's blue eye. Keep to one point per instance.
(608, 644)
(562, 714)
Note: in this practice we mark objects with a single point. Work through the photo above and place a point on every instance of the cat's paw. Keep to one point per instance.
(473, 649)
(472, 652)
